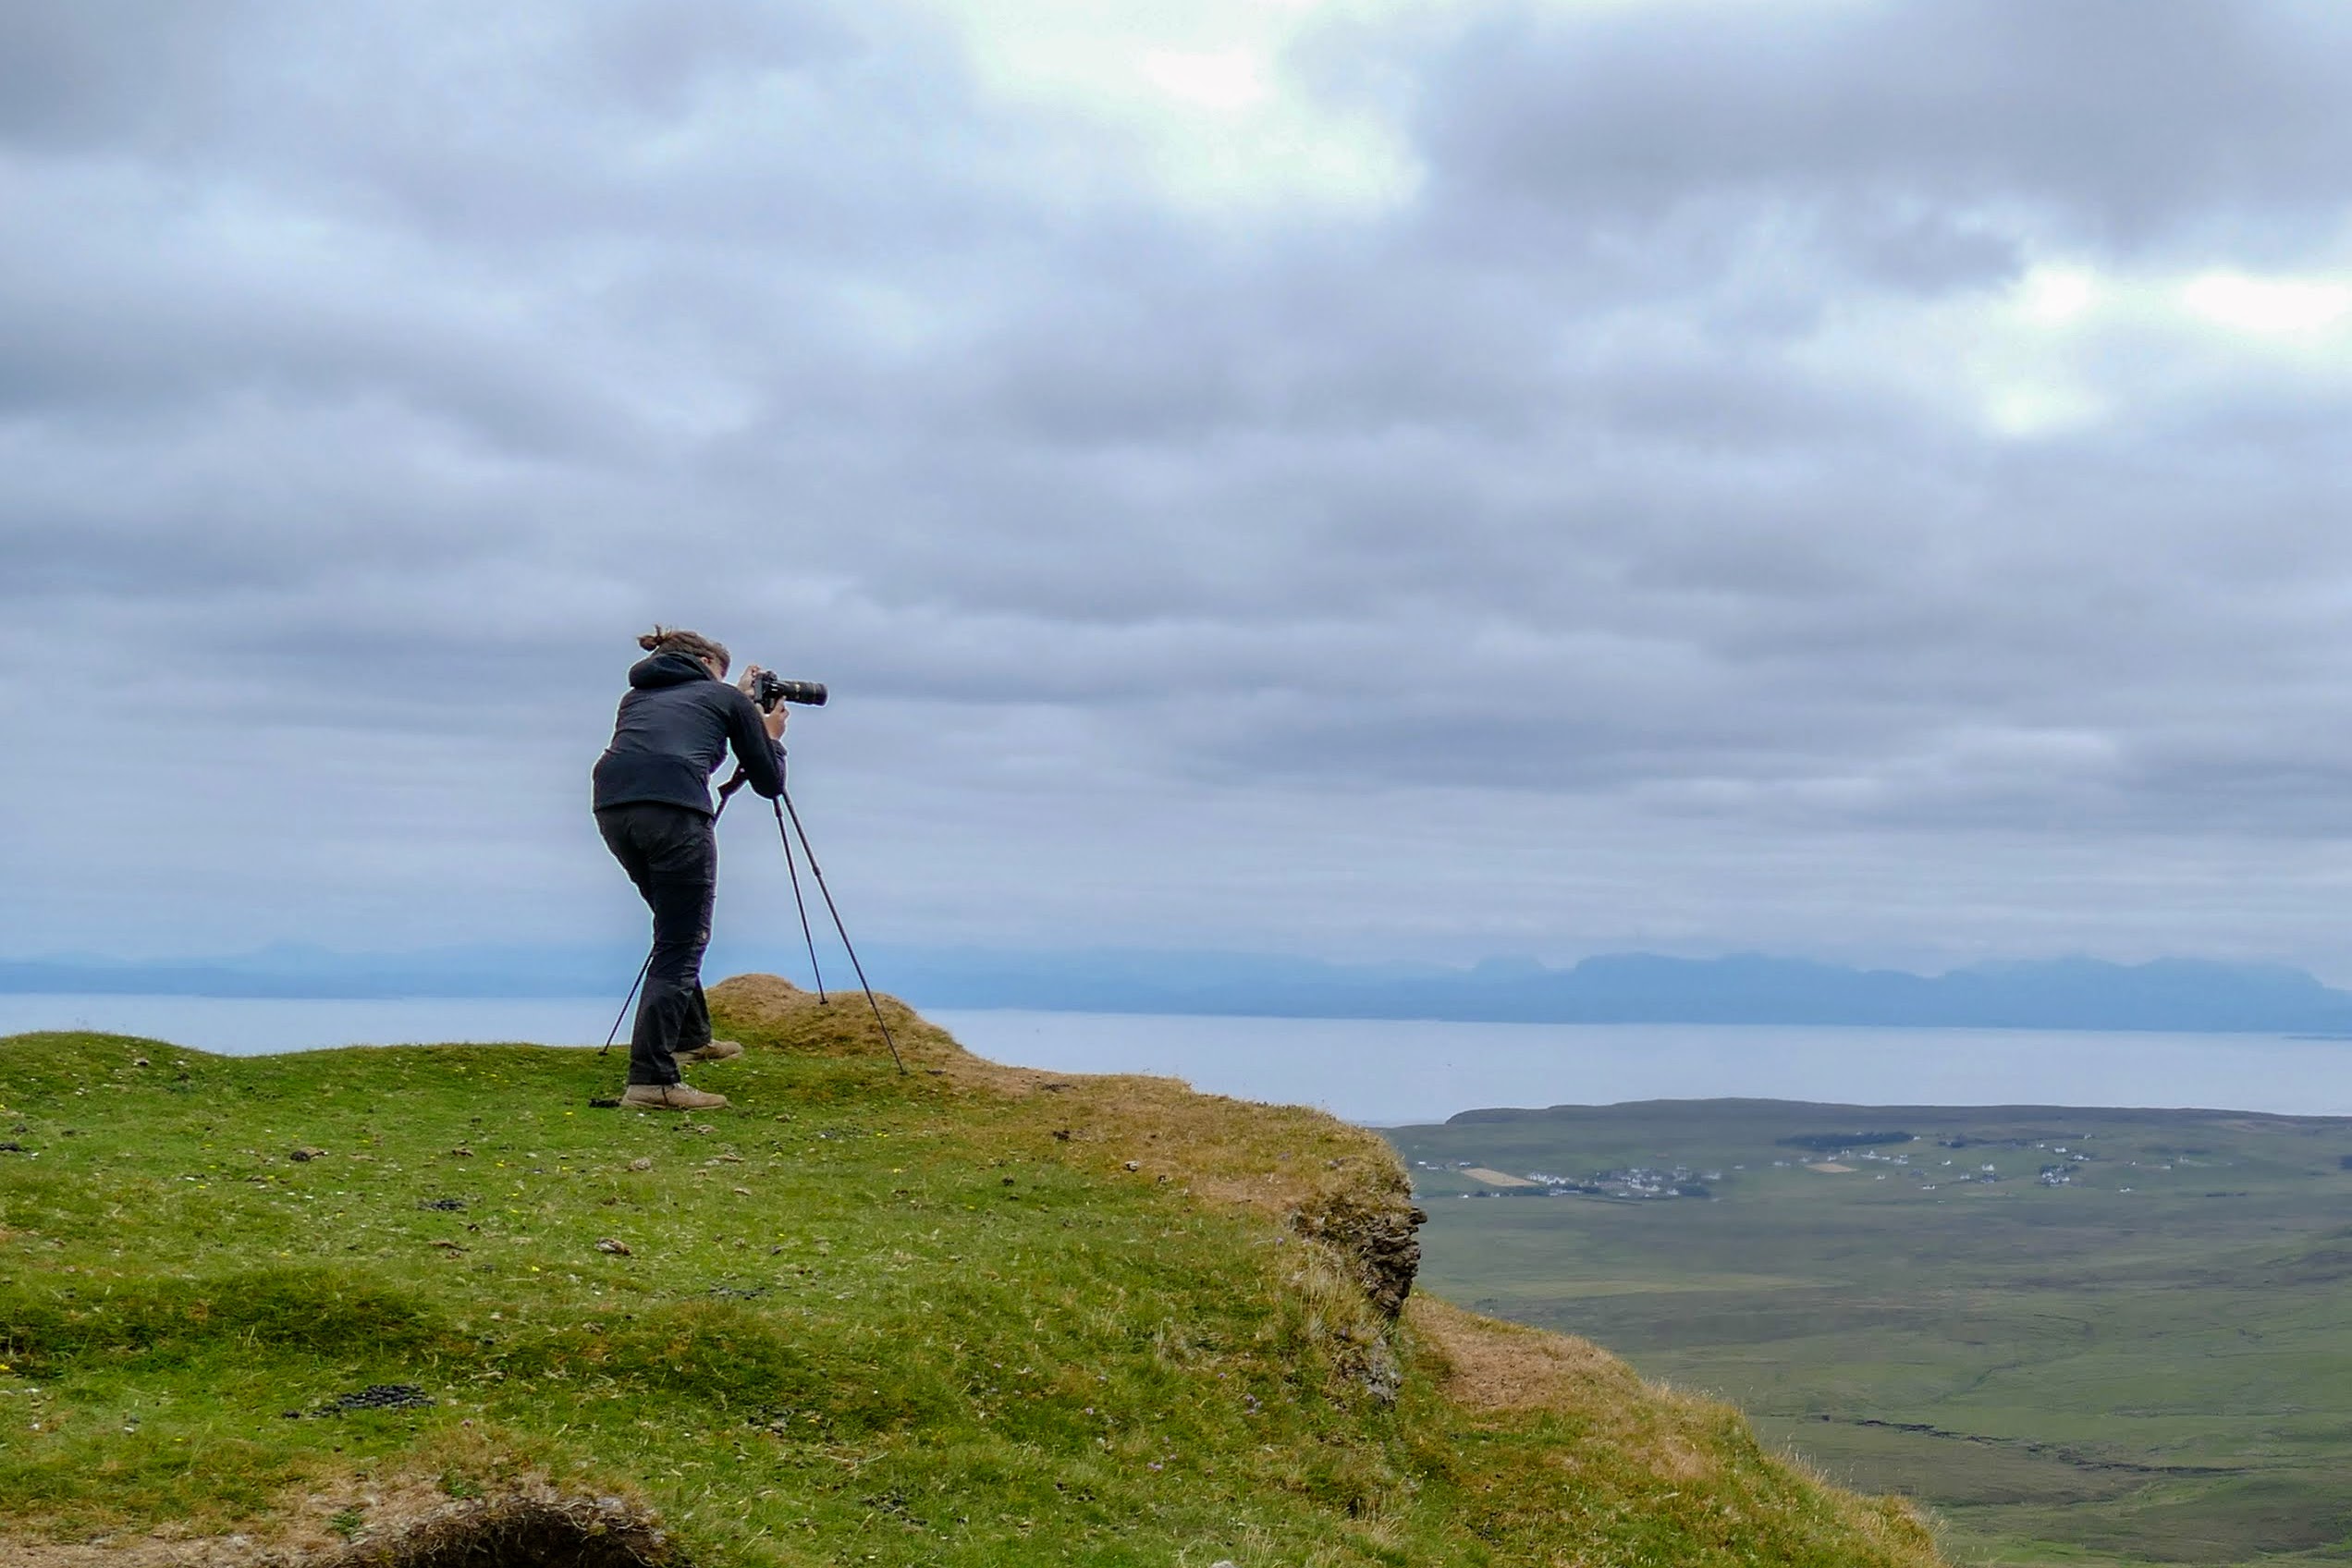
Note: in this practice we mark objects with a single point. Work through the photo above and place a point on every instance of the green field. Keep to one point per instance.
(2151, 1362)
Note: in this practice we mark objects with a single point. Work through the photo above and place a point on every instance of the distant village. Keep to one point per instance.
(1821, 1154)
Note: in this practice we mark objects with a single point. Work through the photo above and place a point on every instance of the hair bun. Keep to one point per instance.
(678, 640)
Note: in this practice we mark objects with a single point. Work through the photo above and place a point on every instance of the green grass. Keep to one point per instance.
(2091, 1375)
(861, 1318)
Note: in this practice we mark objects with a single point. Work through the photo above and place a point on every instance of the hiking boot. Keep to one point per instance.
(717, 1050)
(670, 1096)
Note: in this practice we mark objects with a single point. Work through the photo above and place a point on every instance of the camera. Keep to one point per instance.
(767, 690)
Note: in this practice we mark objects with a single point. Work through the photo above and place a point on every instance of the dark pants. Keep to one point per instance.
(672, 855)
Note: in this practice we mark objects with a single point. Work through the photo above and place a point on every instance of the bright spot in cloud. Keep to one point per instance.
(2019, 362)
(2054, 296)
(1199, 89)
(2027, 408)
(2270, 305)
(2068, 346)
(1230, 79)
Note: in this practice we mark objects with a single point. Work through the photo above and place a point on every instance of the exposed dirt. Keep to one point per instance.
(409, 1523)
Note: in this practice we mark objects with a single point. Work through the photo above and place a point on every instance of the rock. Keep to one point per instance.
(641, 1163)
(1379, 1240)
(379, 1396)
(1383, 1378)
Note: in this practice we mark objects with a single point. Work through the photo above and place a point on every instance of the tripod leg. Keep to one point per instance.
(818, 872)
(798, 902)
(642, 969)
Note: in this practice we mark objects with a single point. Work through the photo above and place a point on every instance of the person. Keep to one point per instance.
(653, 805)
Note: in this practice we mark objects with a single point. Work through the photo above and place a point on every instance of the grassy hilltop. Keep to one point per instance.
(431, 1306)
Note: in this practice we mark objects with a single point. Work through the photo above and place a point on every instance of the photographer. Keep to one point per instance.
(653, 805)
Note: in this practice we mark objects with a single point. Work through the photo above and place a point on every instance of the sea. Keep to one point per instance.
(1385, 1071)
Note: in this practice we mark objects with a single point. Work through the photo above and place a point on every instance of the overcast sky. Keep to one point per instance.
(1864, 480)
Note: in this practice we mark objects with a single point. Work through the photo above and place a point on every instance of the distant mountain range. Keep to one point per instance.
(290, 970)
(2071, 993)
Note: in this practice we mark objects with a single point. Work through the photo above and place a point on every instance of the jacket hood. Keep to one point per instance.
(666, 669)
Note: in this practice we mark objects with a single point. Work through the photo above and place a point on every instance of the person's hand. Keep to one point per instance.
(773, 717)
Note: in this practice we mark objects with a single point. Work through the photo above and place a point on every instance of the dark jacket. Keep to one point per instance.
(673, 730)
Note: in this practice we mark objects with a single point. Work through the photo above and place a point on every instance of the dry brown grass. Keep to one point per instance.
(1504, 1373)
(1276, 1160)
(1495, 1365)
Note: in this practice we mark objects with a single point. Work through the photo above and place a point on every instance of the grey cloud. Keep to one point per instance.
(77, 76)
(376, 377)
(2117, 122)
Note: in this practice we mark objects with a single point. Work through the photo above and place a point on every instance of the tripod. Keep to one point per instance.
(781, 805)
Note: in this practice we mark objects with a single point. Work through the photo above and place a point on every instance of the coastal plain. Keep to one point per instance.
(2081, 1336)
